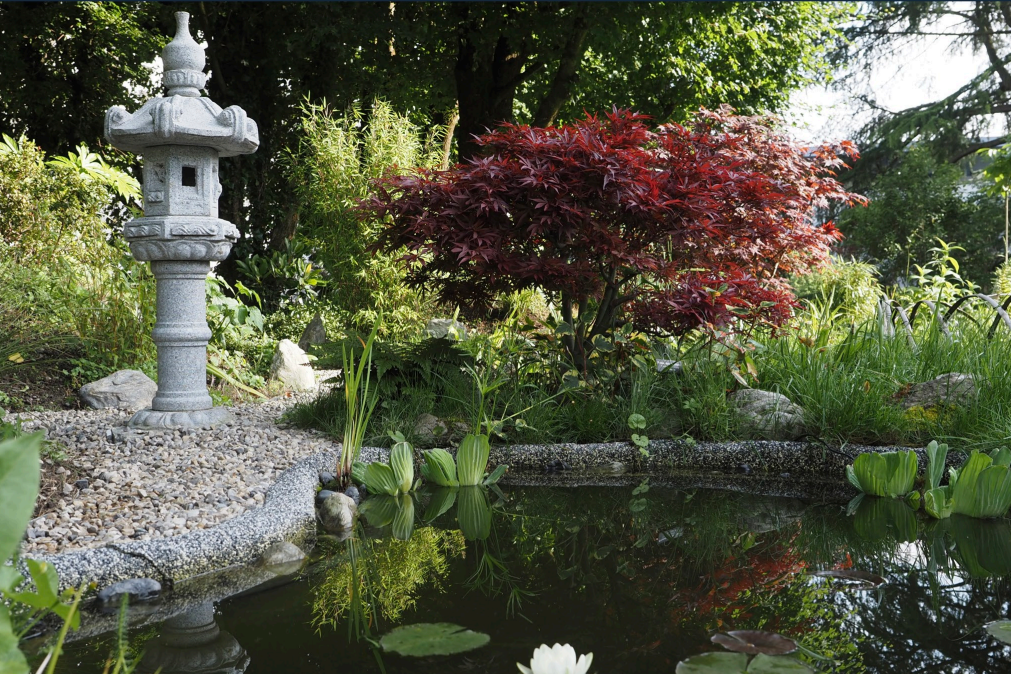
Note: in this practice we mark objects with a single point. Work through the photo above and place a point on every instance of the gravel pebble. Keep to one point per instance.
(148, 484)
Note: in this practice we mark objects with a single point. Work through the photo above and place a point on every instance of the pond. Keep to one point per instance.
(642, 576)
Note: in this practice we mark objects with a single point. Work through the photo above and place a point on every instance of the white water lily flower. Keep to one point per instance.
(557, 659)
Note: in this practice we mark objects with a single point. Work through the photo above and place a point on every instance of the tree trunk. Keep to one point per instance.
(568, 68)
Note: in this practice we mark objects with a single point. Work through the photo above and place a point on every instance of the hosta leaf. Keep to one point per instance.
(427, 639)
(439, 468)
(402, 463)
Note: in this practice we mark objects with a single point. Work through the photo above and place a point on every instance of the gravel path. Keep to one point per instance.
(143, 485)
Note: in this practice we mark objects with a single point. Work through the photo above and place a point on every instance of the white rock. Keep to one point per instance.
(125, 390)
(337, 513)
(953, 388)
(291, 367)
(768, 414)
(446, 327)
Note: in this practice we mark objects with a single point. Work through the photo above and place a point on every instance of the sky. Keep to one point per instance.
(919, 73)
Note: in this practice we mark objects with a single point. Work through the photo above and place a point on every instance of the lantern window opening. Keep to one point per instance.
(189, 176)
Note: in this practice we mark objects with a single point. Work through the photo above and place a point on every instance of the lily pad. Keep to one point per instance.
(863, 578)
(773, 664)
(713, 663)
(755, 641)
(1000, 630)
(425, 639)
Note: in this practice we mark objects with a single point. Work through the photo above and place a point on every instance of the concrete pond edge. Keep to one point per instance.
(792, 469)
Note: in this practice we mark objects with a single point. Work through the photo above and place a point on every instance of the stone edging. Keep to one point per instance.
(288, 512)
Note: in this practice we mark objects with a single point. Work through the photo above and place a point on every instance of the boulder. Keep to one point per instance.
(429, 428)
(446, 327)
(314, 333)
(282, 553)
(291, 367)
(337, 513)
(669, 366)
(953, 388)
(769, 415)
(124, 390)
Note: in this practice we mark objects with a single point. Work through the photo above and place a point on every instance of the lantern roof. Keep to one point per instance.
(182, 116)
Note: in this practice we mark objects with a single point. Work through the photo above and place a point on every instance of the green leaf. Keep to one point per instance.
(403, 522)
(439, 468)
(1001, 456)
(602, 344)
(640, 440)
(379, 510)
(379, 479)
(402, 463)
(473, 513)
(564, 328)
(358, 472)
(442, 500)
(472, 459)
(425, 639)
(1000, 630)
(777, 664)
(981, 489)
(496, 474)
(880, 519)
(714, 663)
(937, 502)
(936, 456)
(47, 593)
(887, 474)
(19, 485)
(11, 658)
(636, 421)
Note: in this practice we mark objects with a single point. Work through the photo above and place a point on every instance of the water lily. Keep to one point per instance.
(557, 659)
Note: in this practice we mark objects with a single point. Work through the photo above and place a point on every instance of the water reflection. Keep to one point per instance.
(192, 643)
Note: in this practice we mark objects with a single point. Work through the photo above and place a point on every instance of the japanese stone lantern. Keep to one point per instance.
(181, 136)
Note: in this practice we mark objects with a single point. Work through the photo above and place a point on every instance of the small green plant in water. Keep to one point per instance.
(885, 474)
(361, 401)
(394, 478)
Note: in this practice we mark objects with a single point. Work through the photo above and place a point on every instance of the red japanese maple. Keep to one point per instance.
(673, 228)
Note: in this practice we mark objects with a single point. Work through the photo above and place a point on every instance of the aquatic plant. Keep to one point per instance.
(360, 401)
(439, 468)
(883, 474)
(394, 478)
(557, 659)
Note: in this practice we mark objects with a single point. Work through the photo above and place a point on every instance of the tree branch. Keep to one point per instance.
(991, 51)
(568, 66)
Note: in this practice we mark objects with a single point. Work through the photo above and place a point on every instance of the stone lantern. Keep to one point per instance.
(181, 136)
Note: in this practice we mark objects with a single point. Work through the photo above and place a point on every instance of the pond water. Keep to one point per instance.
(642, 577)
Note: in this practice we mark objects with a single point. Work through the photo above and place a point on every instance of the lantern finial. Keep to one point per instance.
(184, 61)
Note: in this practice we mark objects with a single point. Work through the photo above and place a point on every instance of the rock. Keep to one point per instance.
(291, 367)
(769, 415)
(137, 589)
(428, 428)
(337, 513)
(326, 477)
(124, 390)
(446, 327)
(314, 333)
(352, 492)
(282, 553)
(323, 494)
(953, 388)
(81, 484)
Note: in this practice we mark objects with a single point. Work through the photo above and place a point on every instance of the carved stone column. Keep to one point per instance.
(181, 136)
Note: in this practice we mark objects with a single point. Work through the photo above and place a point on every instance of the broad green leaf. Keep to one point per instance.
(880, 519)
(427, 639)
(19, 485)
(602, 344)
(777, 664)
(936, 456)
(1000, 630)
(636, 421)
(379, 510)
(12, 661)
(714, 663)
(439, 468)
(472, 459)
(564, 328)
(9, 578)
(47, 593)
(473, 513)
(640, 440)
(379, 479)
(402, 463)
(982, 489)
(403, 522)
(937, 502)
(1001, 456)
(442, 500)
(496, 474)
(887, 474)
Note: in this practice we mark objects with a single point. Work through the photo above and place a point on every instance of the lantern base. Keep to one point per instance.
(149, 418)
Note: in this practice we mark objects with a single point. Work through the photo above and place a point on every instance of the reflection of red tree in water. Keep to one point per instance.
(733, 590)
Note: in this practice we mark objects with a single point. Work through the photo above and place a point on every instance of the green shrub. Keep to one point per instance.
(847, 286)
(336, 161)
